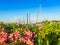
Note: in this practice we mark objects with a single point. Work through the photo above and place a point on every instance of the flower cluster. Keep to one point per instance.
(28, 33)
(28, 37)
(3, 37)
(40, 27)
(13, 36)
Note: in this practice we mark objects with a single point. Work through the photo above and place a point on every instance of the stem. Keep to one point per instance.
(47, 42)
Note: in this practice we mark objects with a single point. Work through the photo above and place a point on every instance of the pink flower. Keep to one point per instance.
(40, 27)
(17, 25)
(29, 37)
(29, 42)
(3, 29)
(5, 43)
(2, 40)
(17, 35)
(3, 35)
(34, 34)
(11, 37)
(23, 39)
(27, 33)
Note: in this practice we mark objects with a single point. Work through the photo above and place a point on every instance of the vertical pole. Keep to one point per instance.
(27, 18)
(23, 21)
(39, 12)
(20, 21)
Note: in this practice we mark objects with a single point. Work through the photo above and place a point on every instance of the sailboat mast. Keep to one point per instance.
(27, 18)
(39, 12)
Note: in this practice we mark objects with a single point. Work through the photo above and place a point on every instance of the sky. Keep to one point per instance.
(51, 9)
(14, 10)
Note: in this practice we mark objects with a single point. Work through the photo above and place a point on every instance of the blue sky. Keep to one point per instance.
(51, 9)
(17, 9)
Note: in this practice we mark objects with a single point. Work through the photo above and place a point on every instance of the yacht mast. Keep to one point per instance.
(39, 13)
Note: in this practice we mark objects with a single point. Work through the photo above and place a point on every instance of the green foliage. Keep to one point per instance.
(49, 35)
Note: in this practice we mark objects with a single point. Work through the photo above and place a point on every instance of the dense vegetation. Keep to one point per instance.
(45, 33)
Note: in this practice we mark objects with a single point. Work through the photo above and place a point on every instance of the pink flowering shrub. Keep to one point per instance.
(27, 38)
(3, 37)
(13, 36)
